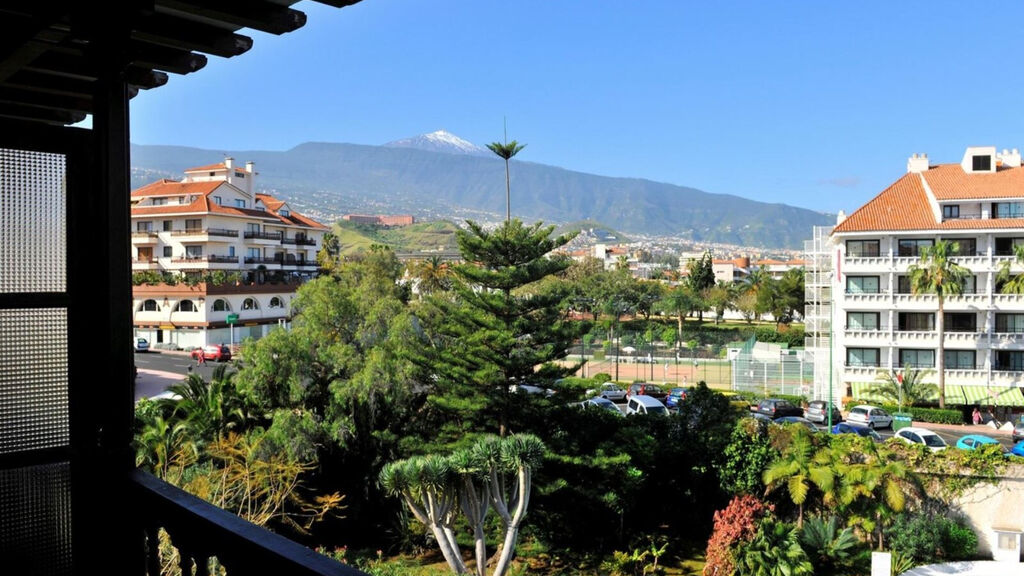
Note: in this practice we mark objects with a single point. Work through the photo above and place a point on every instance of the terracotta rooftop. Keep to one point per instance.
(905, 206)
(207, 168)
(165, 187)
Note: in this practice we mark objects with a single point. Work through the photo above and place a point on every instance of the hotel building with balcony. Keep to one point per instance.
(861, 315)
(214, 220)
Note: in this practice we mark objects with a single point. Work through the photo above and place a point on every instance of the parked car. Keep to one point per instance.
(975, 441)
(530, 389)
(847, 428)
(1018, 449)
(797, 420)
(675, 397)
(140, 344)
(646, 389)
(922, 436)
(870, 416)
(1018, 432)
(609, 390)
(643, 404)
(604, 403)
(215, 353)
(816, 411)
(777, 408)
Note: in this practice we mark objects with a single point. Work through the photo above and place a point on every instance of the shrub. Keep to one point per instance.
(601, 378)
(933, 415)
(928, 539)
(734, 525)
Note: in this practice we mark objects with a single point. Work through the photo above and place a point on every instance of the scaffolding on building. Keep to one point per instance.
(818, 315)
(770, 369)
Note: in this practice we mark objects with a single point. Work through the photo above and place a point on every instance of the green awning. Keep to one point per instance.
(991, 395)
(865, 391)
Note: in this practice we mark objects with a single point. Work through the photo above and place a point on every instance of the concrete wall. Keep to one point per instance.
(994, 505)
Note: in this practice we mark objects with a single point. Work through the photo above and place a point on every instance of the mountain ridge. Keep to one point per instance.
(329, 179)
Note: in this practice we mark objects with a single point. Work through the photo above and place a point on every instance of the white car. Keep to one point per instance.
(604, 403)
(647, 405)
(140, 344)
(609, 390)
(870, 416)
(922, 436)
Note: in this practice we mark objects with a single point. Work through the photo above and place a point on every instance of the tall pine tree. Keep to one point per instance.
(494, 336)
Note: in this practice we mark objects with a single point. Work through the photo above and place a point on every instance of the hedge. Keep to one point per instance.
(933, 415)
(755, 397)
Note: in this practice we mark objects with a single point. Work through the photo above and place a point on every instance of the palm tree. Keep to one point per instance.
(797, 468)
(434, 275)
(678, 301)
(774, 551)
(829, 548)
(873, 487)
(937, 274)
(1012, 284)
(908, 388)
(507, 151)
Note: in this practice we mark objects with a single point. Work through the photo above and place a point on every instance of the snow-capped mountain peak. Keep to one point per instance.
(440, 141)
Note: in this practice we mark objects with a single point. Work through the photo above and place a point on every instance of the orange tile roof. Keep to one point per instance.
(206, 168)
(167, 187)
(950, 182)
(901, 206)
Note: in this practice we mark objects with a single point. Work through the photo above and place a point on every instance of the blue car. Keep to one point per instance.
(975, 441)
(676, 396)
(847, 428)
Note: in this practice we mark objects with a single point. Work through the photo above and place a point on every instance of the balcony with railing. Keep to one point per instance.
(256, 236)
(144, 237)
(262, 260)
(300, 241)
(205, 259)
(206, 232)
(204, 534)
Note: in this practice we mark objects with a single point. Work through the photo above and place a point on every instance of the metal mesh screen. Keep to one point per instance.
(33, 250)
(35, 519)
(33, 379)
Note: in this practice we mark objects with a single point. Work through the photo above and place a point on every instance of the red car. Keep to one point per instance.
(216, 353)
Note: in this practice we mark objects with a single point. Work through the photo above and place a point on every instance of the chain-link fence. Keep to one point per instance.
(768, 369)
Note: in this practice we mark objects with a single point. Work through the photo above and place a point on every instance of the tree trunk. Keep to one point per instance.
(507, 547)
(453, 560)
(940, 362)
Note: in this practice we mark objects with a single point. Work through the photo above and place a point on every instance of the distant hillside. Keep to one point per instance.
(420, 237)
(600, 232)
(329, 180)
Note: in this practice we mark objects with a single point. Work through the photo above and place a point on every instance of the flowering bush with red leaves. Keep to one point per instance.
(734, 524)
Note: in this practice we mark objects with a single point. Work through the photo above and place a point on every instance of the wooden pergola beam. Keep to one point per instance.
(258, 15)
(190, 35)
(164, 58)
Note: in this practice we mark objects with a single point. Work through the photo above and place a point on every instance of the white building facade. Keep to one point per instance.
(238, 257)
(861, 315)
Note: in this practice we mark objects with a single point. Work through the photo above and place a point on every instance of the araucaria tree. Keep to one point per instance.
(938, 274)
(495, 335)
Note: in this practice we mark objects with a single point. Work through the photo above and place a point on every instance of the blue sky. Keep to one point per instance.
(809, 103)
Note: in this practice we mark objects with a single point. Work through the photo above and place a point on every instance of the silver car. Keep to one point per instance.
(870, 416)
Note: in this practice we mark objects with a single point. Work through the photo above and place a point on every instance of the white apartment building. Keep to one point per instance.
(214, 225)
(861, 315)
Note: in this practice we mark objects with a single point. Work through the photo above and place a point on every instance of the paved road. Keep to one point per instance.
(159, 370)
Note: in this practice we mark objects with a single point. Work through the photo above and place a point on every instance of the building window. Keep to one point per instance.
(1007, 541)
(981, 163)
(959, 359)
(1008, 209)
(1005, 246)
(143, 226)
(193, 224)
(862, 248)
(917, 358)
(862, 320)
(167, 252)
(950, 211)
(167, 225)
(221, 305)
(158, 201)
(275, 302)
(185, 306)
(239, 203)
(252, 227)
(960, 322)
(964, 246)
(1010, 323)
(862, 284)
(194, 251)
(916, 322)
(285, 212)
(231, 251)
(862, 357)
(250, 304)
(149, 306)
(903, 285)
(218, 200)
(1009, 360)
(913, 246)
(253, 253)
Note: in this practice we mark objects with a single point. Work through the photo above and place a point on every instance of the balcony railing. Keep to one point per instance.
(261, 260)
(200, 531)
(206, 232)
(299, 241)
(215, 258)
(144, 234)
(263, 235)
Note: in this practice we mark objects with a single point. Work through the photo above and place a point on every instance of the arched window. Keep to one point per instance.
(221, 305)
(150, 306)
(276, 302)
(250, 304)
(185, 306)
